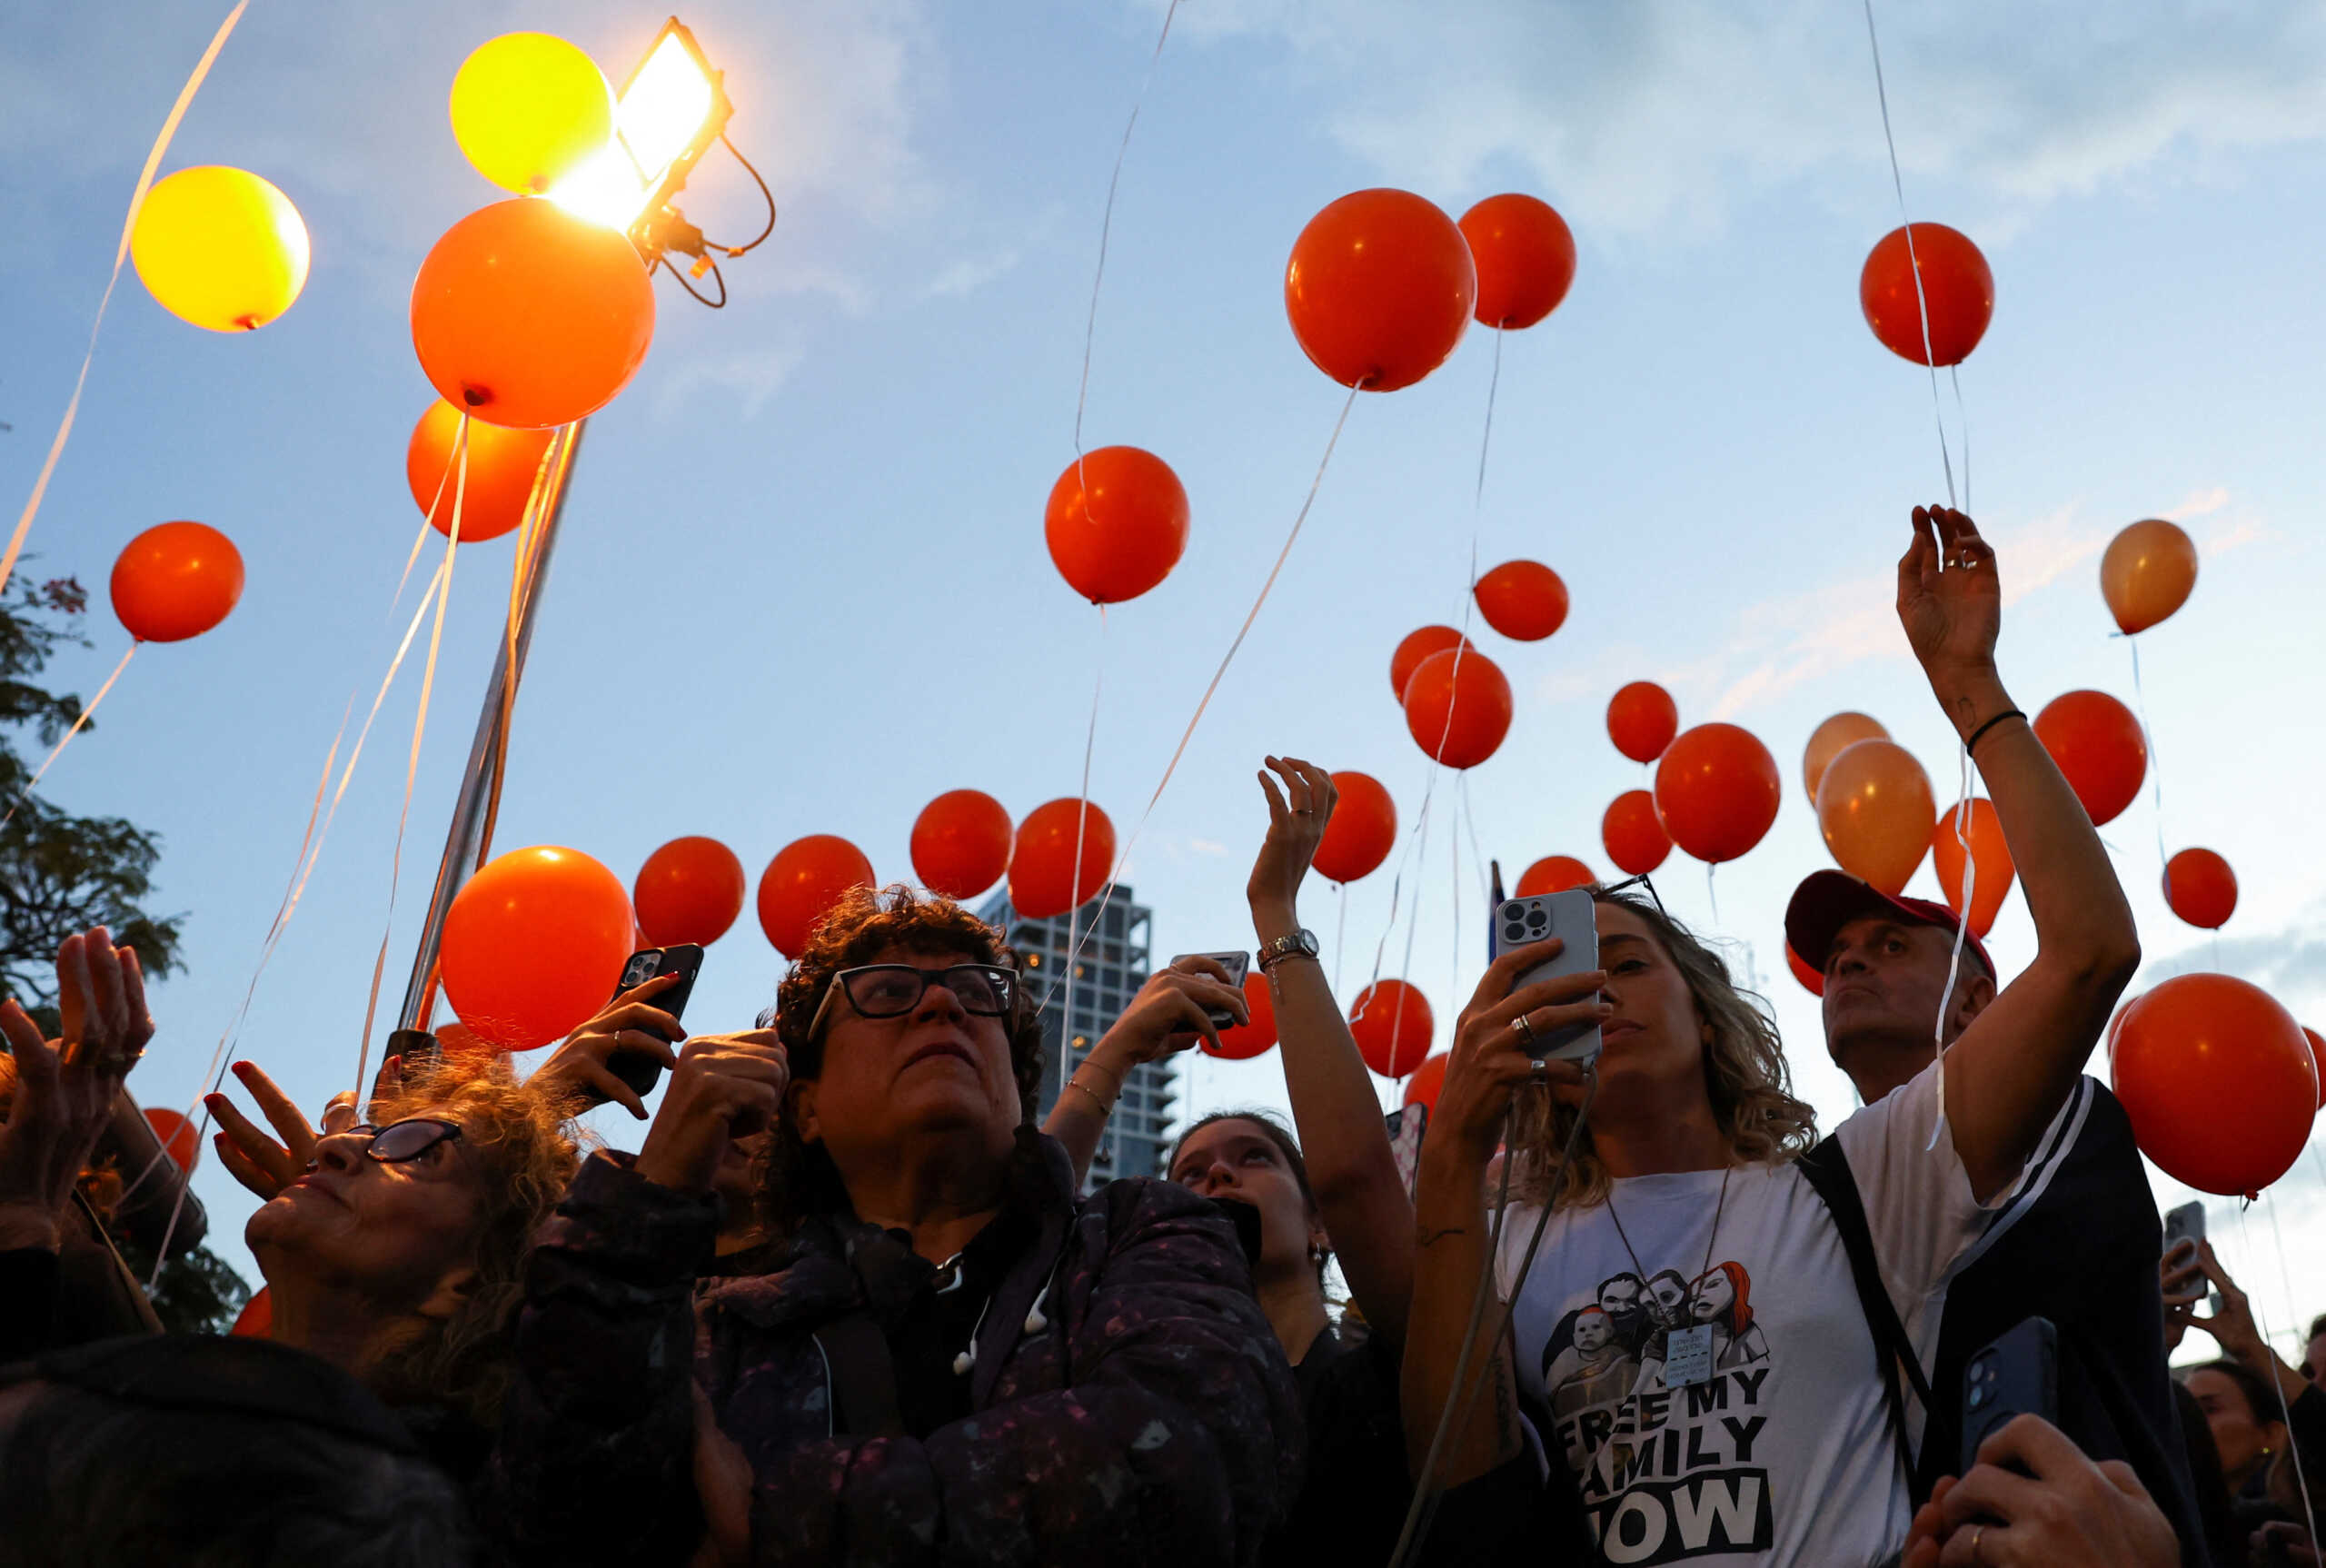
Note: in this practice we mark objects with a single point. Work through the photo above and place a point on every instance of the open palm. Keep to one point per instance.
(1949, 597)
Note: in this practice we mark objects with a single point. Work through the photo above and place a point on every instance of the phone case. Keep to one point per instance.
(2016, 1375)
(1571, 916)
(1237, 965)
(2186, 1223)
(636, 1069)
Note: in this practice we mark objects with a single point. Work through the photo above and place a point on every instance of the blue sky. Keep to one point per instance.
(801, 586)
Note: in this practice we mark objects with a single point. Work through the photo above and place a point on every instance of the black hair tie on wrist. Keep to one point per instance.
(1971, 745)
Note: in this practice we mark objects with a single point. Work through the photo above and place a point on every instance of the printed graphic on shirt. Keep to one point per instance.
(1657, 1392)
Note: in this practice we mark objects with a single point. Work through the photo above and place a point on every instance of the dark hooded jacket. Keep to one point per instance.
(1125, 1401)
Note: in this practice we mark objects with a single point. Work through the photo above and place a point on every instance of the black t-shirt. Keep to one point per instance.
(2078, 1244)
(1354, 1497)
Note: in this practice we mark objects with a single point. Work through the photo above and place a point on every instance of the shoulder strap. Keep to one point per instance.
(1827, 1170)
(864, 1378)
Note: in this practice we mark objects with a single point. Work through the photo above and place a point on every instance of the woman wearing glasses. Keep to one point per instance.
(955, 1358)
(1773, 1440)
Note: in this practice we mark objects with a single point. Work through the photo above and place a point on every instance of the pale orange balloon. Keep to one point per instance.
(1875, 806)
(1989, 853)
(1825, 743)
(2147, 573)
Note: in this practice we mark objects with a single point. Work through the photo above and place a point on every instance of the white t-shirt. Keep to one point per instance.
(1778, 1449)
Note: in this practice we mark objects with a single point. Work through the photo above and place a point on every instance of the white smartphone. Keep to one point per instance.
(2187, 1224)
(1572, 917)
(1237, 965)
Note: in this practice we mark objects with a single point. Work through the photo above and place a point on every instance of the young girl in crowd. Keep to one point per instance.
(1772, 1441)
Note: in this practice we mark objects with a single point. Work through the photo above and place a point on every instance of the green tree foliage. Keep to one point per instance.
(60, 873)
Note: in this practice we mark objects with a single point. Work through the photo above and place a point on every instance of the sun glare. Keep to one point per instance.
(657, 118)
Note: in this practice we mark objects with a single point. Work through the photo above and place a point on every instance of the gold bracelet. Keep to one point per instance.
(1105, 1108)
(1095, 1062)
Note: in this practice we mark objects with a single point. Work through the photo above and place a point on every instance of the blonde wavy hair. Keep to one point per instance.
(525, 1149)
(1746, 1076)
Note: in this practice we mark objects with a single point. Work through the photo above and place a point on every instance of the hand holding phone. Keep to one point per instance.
(1572, 916)
(618, 1055)
(2016, 1375)
(1238, 965)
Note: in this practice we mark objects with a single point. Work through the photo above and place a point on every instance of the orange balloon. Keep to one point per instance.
(1417, 646)
(1392, 1024)
(1716, 791)
(1379, 288)
(177, 1137)
(1989, 853)
(1525, 257)
(1042, 881)
(503, 467)
(1633, 834)
(2098, 745)
(1523, 600)
(256, 1320)
(1873, 806)
(177, 580)
(1958, 292)
(801, 884)
(1457, 716)
(2317, 1059)
(528, 316)
(1811, 980)
(960, 843)
(1825, 743)
(1641, 718)
(2147, 573)
(1241, 1041)
(2201, 888)
(1362, 831)
(1553, 874)
(1116, 523)
(689, 890)
(2219, 1081)
(533, 945)
(1428, 1078)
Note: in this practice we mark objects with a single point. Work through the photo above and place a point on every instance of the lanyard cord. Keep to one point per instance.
(1710, 1242)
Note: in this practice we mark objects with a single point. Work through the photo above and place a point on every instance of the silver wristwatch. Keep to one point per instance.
(1300, 944)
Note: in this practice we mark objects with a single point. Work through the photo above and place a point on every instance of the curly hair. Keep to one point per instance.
(527, 1150)
(797, 1179)
(1745, 1076)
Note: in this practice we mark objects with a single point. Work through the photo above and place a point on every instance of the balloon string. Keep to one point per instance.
(1340, 931)
(2155, 770)
(1712, 893)
(532, 533)
(2302, 1481)
(1081, 823)
(1106, 231)
(412, 763)
(1914, 265)
(120, 254)
(1963, 425)
(1969, 891)
(1454, 867)
(311, 848)
(1107, 893)
(79, 721)
(1478, 856)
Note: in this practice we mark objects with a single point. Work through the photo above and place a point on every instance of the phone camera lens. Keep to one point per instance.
(1978, 1395)
(1512, 910)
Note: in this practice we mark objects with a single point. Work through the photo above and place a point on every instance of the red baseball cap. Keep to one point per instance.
(1827, 900)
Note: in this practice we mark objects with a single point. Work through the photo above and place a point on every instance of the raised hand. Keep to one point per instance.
(723, 1086)
(1490, 1061)
(630, 1023)
(1297, 817)
(66, 1088)
(261, 1162)
(1950, 599)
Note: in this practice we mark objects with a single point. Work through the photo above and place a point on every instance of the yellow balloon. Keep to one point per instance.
(221, 248)
(527, 108)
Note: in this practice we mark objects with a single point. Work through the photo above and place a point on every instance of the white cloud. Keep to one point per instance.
(967, 274)
(747, 376)
(1653, 115)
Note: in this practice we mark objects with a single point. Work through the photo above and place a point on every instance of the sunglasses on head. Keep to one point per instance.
(892, 990)
(406, 1140)
(1639, 881)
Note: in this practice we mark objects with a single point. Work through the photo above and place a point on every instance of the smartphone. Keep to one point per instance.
(1237, 965)
(2187, 1224)
(636, 1069)
(1572, 917)
(2016, 1375)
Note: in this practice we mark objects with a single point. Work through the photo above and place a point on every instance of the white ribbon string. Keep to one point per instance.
(1914, 265)
(79, 722)
(1962, 931)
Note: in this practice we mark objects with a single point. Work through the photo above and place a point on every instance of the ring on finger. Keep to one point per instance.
(1523, 1027)
(1541, 1069)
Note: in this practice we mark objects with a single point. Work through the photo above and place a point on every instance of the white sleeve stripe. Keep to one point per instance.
(2036, 1179)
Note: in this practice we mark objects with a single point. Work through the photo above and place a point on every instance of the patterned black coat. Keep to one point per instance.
(1130, 1403)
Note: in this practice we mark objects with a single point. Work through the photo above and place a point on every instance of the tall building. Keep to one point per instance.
(1113, 966)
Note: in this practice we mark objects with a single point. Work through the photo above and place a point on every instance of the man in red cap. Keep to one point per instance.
(2078, 1240)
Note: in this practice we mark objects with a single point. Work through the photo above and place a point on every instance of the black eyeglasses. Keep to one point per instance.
(1639, 881)
(892, 990)
(407, 1140)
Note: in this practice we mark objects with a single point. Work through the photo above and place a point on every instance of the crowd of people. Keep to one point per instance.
(847, 1303)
